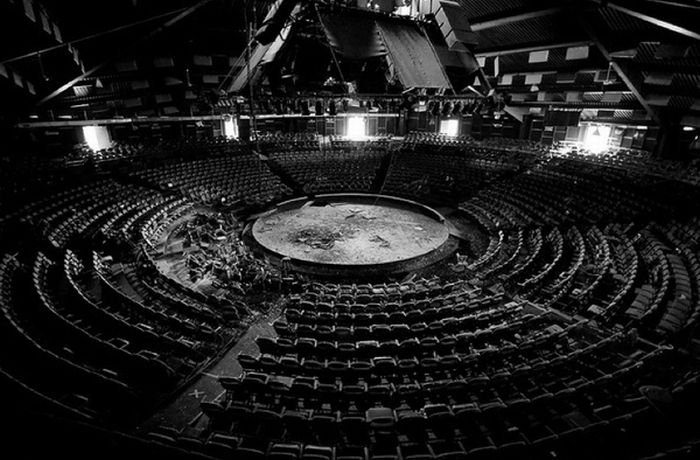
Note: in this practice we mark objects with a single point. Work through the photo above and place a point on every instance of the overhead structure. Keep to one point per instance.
(630, 80)
(247, 68)
(649, 11)
(454, 25)
(412, 58)
(630, 60)
(169, 23)
(353, 36)
(276, 19)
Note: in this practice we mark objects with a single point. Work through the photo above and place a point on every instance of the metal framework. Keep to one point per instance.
(488, 24)
(637, 10)
(529, 49)
(169, 23)
(627, 75)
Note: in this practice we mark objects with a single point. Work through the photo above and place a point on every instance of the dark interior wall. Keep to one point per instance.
(51, 142)
(44, 142)
(621, 136)
(324, 126)
(476, 125)
(58, 141)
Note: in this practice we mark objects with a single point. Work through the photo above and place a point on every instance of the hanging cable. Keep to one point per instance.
(251, 89)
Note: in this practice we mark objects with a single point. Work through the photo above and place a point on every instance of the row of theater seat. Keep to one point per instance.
(299, 396)
(332, 170)
(444, 367)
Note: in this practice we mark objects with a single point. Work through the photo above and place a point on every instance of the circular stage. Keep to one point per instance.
(351, 231)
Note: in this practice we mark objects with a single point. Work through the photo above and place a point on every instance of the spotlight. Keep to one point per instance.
(97, 137)
(356, 128)
(597, 138)
(230, 128)
(449, 127)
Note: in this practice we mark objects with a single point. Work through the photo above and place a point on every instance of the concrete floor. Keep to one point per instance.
(184, 412)
(350, 234)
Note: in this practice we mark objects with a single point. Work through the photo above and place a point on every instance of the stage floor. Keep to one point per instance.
(346, 232)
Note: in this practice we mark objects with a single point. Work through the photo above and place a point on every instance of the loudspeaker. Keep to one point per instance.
(455, 27)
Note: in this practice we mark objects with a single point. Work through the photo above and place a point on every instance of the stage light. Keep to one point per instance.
(449, 127)
(230, 128)
(688, 128)
(597, 138)
(97, 137)
(357, 128)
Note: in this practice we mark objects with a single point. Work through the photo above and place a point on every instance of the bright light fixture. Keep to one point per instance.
(230, 128)
(597, 138)
(97, 137)
(357, 128)
(688, 128)
(449, 127)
